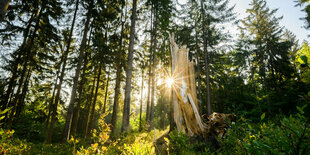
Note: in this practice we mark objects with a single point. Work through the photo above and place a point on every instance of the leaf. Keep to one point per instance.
(4, 111)
(300, 110)
(304, 59)
(303, 107)
(262, 116)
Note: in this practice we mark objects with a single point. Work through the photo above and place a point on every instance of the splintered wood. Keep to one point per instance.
(185, 103)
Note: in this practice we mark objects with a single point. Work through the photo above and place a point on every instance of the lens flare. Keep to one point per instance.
(169, 82)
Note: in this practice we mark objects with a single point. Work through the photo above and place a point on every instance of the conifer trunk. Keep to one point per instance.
(117, 82)
(153, 73)
(12, 82)
(90, 122)
(61, 78)
(78, 106)
(141, 100)
(28, 56)
(206, 59)
(148, 93)
(150, 72)
(126, 111)
(90, 105)
(106, 92)
(76, 76)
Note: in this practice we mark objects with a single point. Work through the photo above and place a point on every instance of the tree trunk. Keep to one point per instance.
(171, 120)
(117, 82)
(90, 120)
(126, 111)
(4, 4)
(25, 64)
(89, 105)
(150, 73)
(148, 93)
(141, 100)
(21, 100)
(61, 78)
(153, 73)
(106, 92)
(12, 82)
(50, 108)
(206, 59)
(78, 106)
(198, 68)
(76, 76)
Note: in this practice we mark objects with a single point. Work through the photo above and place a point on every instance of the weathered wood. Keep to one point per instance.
(185, 102)
(186, 113)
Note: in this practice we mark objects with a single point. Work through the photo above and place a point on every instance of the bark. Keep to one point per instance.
(148, 93)
(4, 4)
(150, 72)
(117, 82)
(25, 62)
(21, 100)
(12, 82)
(76, 76)
(153, 74)
(206, 59)
(50, 108)
(90, 122)
(78, 106)
(126, 111)
(171, 98)
(141, 101)
(198, 68)
(171, 120)
(89, 105)
(61, 78)
(106, 92)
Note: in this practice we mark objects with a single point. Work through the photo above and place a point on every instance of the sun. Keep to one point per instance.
(169, 82)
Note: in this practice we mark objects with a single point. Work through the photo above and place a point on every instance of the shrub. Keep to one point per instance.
(290, 136)
(11, 145)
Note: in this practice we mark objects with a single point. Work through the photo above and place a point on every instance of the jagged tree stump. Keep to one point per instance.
(185, 103)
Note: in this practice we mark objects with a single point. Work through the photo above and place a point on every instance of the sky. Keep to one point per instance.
(286, 8)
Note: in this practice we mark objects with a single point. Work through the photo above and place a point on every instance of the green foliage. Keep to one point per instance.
(139, 147)
(99, 137)
(11, 145)
(178, 142)
(303, 61)
(288, 135)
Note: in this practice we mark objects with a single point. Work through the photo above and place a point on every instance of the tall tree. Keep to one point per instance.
(54, 105)
(77, 74)
(213, 14)
(118, 65)
(141, 99)
(268, 53)
(126, 112)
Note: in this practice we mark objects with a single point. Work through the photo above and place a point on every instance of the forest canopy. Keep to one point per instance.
(97, 77)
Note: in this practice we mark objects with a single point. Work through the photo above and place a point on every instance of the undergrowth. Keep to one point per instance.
(281, 135)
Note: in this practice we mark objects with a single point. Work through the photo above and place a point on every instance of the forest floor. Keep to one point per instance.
(266, 135)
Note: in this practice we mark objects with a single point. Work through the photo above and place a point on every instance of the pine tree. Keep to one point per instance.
(125, 122)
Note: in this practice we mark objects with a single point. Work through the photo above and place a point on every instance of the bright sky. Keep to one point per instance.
(286, 8)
